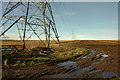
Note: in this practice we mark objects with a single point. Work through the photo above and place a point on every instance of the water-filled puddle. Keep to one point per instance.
(84, 57)
(75, 71)
(107, 75)
(74, 74)
(94, 71)
(87, 56)
(68, 64)
(104, 55)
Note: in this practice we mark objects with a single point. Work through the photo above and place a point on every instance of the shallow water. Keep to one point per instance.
(73, 74)
(104, 55)
(107, 75)
(84, 57)
(75, 71)
(87, 56)
(94, 71)
(68, 64)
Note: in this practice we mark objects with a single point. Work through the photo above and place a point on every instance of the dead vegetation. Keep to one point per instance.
(68, 50)
(41, 55)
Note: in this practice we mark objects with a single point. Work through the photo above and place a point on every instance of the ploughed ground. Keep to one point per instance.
(70, 59)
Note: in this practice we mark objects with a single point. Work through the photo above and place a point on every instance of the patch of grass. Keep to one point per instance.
(42, 54)
(59, 55)
(42, 58)
(69, 53)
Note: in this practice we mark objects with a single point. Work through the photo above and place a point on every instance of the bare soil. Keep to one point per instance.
(48, 69)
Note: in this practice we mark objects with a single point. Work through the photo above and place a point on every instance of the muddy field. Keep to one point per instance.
(71, 59)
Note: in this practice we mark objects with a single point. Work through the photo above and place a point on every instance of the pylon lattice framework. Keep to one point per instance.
(31, 18)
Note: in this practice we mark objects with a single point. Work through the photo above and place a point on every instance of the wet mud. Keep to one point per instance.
(101, 62)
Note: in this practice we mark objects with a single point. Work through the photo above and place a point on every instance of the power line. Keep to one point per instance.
(59, 13)
(29, 21)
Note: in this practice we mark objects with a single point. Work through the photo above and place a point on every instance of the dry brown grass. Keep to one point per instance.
(29, 44)
(35, 43)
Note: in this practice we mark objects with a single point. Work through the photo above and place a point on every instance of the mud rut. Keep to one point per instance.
(80, 67)
(84, 67)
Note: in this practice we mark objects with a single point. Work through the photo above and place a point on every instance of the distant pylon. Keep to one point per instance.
(73, 35)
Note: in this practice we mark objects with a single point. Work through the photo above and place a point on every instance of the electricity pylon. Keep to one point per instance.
(73, 35)
(30, 18)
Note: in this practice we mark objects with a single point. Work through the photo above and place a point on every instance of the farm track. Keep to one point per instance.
(46, 70)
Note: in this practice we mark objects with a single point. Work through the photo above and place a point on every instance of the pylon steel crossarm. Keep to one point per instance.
(31, 19)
